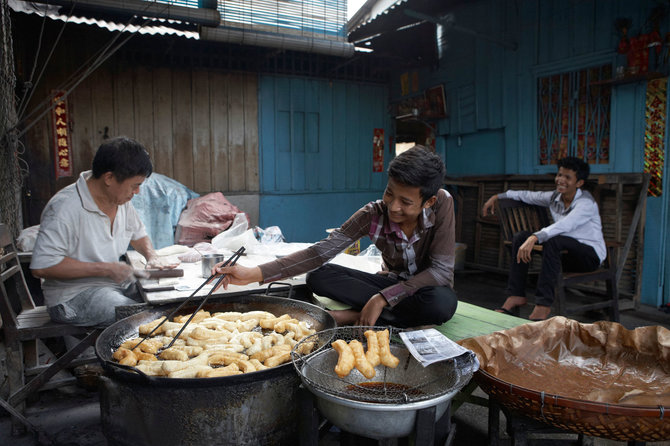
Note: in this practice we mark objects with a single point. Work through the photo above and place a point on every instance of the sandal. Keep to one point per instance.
(513, 312)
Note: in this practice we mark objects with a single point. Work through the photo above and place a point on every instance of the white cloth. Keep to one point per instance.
(73, 226)
(581, 220)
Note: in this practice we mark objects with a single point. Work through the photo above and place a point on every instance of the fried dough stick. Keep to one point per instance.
(385, 354)
(361, 361)
(346, 360)
(372, 354)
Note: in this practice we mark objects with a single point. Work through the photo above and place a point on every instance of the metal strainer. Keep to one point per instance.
(410, 382)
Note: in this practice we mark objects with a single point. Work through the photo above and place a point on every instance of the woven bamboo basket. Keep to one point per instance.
(611, 421)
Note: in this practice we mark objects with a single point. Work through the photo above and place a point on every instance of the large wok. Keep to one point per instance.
(248, 409)
(114, 335)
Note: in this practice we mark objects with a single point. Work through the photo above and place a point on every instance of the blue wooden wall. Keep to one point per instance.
(491, 97)
(316, 152)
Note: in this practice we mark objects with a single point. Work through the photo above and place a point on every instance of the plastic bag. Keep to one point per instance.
(26, 239)
(371, 251)
(236, 236)
(271, 234)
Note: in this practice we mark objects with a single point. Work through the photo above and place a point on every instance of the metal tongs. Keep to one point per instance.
(230, 262)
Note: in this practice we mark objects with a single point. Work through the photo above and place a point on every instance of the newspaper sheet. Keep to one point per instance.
(429, 346)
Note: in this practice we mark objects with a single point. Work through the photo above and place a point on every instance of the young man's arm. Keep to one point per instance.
(301, 261)
(582, 210)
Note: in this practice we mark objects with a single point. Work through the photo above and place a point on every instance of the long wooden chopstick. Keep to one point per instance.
(231, 261)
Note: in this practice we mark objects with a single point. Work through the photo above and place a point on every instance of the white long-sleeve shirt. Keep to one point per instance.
(581, 220)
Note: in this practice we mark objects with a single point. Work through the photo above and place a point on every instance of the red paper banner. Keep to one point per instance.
(378, 150)
(62, 147)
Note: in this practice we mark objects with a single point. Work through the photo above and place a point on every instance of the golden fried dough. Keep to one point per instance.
(385, 354)
(361, 361)
(346, 360)
(227, 339)
(372, 354)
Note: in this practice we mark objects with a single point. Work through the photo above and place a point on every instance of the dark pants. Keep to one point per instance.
(429, 305)
(578, 258)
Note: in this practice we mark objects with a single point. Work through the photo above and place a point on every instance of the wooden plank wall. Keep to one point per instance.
(617, 196)
(200, 126)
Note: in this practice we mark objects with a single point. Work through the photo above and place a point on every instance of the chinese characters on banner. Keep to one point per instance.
(62, 148)
(378, 150)
(654, 150)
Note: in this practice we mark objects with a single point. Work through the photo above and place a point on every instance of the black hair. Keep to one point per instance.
(124, 157)
(419, 167)
(578, 165)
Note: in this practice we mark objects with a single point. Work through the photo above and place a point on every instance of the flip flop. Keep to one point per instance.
(513, 312)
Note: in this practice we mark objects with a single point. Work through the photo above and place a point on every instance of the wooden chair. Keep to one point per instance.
(23, 323)
(516, 216)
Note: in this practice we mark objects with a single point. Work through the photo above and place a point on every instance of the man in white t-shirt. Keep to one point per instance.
(84, 230)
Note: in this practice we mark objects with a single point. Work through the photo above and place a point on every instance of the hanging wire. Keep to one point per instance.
(83, 72)
(28, 94)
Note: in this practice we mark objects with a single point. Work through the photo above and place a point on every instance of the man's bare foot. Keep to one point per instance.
(511, 303)
(540, 313)
(345, 317)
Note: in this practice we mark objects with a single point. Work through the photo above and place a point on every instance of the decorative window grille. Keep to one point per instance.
(574, 115)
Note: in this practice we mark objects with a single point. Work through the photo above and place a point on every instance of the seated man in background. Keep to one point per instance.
(576, 230)
(84, 230)
(413, 227)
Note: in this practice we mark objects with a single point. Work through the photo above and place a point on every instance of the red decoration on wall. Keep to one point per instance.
(62, 147)
(636, 50)
(378, 150)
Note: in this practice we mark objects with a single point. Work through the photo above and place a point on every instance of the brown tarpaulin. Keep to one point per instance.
(601, 362)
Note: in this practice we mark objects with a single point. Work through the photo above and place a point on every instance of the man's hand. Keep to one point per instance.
(157, 262)
(120, 272)
(526, 250)
(490, 206)
(236, 275)
(371, 311)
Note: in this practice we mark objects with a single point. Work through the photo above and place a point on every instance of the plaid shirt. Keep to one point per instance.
(424, 259)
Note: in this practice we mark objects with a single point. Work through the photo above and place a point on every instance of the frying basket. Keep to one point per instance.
(314, 359)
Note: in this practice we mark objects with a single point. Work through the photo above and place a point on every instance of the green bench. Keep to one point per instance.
(470, 321)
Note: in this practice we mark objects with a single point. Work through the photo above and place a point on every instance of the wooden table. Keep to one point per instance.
(170, 290)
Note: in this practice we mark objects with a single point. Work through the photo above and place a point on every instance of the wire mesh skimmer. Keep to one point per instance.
(410, 382)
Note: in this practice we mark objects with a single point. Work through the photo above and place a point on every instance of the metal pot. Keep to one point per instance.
(253, 408)
(388, 405)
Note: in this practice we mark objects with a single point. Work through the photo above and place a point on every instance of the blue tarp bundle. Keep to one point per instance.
(159, 204)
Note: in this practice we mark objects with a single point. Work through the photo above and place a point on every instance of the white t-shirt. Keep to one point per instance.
(73, 226)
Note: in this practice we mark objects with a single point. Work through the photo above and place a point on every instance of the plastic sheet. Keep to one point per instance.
(601, 362)
(159, 204)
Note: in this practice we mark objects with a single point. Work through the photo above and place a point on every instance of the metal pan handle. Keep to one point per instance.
(290, 288)
(129, 369)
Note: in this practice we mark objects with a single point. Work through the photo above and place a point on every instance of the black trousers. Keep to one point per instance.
(578, 258)
(429, 305)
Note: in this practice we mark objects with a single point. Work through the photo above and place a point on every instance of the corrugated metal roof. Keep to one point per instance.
(54, 13)
(370, 11)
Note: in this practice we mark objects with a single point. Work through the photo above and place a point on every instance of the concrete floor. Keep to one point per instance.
(71, 416)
